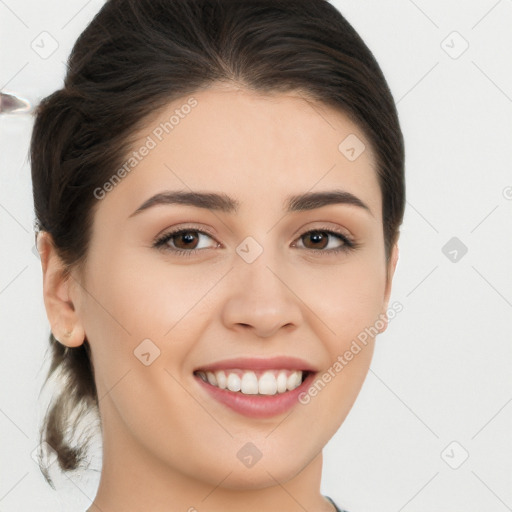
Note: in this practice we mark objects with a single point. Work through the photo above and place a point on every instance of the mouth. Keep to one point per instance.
(254, 382)
(257, 388)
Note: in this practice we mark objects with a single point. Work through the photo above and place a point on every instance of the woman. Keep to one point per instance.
(218, 189)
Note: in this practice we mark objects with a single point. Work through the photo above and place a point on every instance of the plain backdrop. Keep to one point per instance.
(432, 427)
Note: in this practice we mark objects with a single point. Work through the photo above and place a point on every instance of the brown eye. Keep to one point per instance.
(325, 242)
(185, 240)
(318, 239)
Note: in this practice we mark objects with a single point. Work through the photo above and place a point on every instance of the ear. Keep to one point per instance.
(58, 286)
(390, 272)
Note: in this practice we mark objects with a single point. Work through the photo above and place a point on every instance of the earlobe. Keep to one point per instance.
(60, 309)
(73, 338)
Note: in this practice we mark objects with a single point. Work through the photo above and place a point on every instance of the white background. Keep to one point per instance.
(441, 372)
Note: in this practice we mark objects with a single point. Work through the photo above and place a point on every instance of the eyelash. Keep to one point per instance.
(348, 245)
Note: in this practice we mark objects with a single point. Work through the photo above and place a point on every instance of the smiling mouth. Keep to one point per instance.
(254, 382)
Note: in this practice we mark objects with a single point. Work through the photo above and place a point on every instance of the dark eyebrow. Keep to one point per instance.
(226, 204)
(312, 200)
(209, 201)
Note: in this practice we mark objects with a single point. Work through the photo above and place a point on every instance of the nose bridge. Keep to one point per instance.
(259, 264)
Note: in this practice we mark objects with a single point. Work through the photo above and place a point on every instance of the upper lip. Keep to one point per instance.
(252, 363)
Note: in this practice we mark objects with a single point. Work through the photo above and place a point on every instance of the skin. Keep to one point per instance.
(167, 445)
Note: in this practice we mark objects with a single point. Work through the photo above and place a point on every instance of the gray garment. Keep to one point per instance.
(335, 506)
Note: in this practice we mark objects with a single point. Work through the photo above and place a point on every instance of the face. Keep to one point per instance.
(259, 275)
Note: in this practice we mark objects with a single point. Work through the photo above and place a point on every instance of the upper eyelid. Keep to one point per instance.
(324, 227)
(177, 231)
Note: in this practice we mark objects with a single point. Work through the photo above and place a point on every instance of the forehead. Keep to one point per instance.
(249, 145)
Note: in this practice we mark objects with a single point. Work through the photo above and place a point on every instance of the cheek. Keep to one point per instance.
(347, 303)
(347, 297)
(146, 297)
(128, 302)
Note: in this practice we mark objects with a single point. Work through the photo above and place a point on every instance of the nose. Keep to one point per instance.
(261, 298)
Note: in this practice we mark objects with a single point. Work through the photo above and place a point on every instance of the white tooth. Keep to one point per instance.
(249, 384)
(202, 375)
(211, 378)
(267, 384)
(294, 380)
(234, 383)
(221, 379)
(281, 382)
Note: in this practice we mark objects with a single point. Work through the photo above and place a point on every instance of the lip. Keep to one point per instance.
(257, 406)
(253, 363)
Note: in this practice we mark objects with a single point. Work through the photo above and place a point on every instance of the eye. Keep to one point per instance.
(326, 241)
(182, 241)
(189, 241)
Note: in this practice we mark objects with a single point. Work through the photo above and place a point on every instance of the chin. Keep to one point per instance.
(261, 475)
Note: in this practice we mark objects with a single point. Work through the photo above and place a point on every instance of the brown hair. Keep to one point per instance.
(138, 55)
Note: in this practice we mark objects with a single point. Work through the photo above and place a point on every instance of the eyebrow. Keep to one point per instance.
(226, 204)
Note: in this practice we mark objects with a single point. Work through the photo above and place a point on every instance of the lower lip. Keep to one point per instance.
(258, 406)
